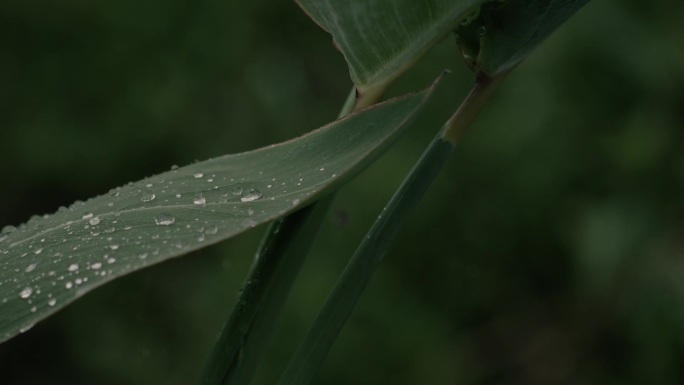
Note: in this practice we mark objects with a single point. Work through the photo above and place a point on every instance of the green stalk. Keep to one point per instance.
(277, 263)
(459, 122)
(281, 254)
(311, 352)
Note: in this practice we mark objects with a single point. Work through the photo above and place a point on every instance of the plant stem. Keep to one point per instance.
(312, 351)
(459, 122)
(278, 260)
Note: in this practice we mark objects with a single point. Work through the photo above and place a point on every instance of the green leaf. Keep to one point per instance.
(380, 39)
(318, 341)
(320, 338)
(52, 260)
(506, 32)
(238, 350)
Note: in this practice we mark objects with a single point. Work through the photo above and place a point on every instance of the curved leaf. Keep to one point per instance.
(54, 259)
(382, 38)
(506, 32)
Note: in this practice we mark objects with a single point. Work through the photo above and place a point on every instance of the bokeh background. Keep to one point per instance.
(550, 250)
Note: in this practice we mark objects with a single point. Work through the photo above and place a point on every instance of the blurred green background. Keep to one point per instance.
(550, 250)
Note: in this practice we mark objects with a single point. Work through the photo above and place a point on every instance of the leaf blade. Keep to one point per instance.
(380, 39)
(505, 33)
(52, 260)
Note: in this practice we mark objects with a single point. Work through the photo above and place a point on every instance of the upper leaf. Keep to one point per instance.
(54, 259)
(382, 38)
(506, 32)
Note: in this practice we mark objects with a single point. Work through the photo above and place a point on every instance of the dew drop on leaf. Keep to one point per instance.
(147, 196)
(94, 221)
(30, 268)
(250, 194)
(26, 328)
(26, 292)
(164, 219)
(199, 200)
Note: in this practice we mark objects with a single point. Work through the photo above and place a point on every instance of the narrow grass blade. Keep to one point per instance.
(52, 260)
(283, 250)
(312, 351)
(339, 305)
(278, 261)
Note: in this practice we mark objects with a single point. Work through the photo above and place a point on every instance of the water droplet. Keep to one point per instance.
(147, 196)
(114, 247)
(250, 212)
(471, 16)
(250, 194)
(26, 292)
(87, 215)
(333, 175)
(236, 190)
(69, 285)
(73, 267)
(198, 175)
(321, 169)
(30, 268)
(111, 260)
(37, 251)
(164, 219)
(96, 266)
(95, 221)
(174, 167)
(142, 256)
(211, 230)
(295, 202)
(26, 328)
(52, 301)
(249, 223)
(482, 30)
(199, 200)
